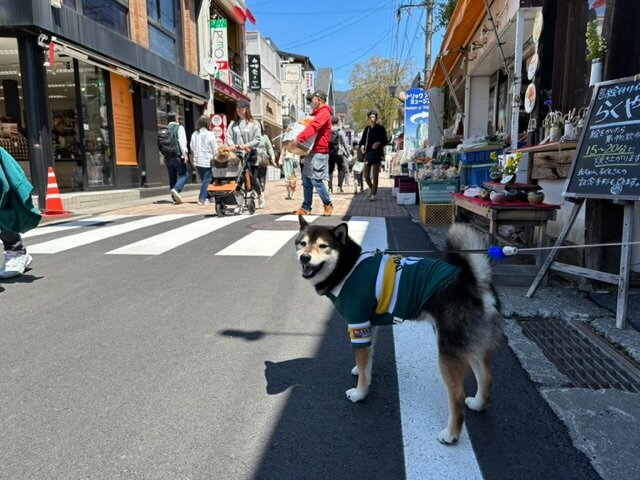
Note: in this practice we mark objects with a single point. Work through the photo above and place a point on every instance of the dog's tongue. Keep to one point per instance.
(307, 270)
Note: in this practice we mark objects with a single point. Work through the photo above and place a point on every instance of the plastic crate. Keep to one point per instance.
(475, 174)
(438, 191)
(408, 198)
(480, 156)
(436, 213)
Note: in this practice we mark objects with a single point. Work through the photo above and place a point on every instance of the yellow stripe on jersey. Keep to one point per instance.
(388, 284)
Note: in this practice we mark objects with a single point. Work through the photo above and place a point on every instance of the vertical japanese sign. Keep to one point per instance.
(123, 124)
(309, 82)
(220, 48)
(255, 79)
(416, 120)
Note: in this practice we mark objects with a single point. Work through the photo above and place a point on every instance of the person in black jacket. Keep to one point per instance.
(372, 143)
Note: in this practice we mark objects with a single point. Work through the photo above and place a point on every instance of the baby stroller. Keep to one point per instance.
(230, 187)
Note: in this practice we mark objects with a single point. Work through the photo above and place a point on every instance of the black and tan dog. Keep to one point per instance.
(370, 289)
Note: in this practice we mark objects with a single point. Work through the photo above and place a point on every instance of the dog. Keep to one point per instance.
(224, 157)
(291, 184)
(370, 289)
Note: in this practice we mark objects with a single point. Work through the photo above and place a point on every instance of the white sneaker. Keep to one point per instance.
(372, 197)
(176, 196)
(15, 263)
(261, 201)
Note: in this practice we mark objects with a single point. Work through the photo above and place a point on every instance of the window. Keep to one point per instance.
(164, 28)
(110, 13)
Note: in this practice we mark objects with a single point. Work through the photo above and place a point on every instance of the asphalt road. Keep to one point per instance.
(213, 359)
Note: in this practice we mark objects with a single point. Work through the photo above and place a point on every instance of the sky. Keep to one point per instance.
(342, 33)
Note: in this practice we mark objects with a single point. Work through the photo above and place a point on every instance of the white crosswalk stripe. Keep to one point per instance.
(85, 238)
(261, 243)
(75, 224)
(166, 241)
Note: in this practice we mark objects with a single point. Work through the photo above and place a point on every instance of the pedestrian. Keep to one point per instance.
(17, 215)
(266, 157)
(290, 164)
(357, 159)
(243, 136)
(204, 147)
(372, 143)
(177, 165)
(338, 153)
(316, 164)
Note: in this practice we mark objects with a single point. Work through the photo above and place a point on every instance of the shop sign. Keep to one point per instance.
(292, 72)
(219, 126)
(309, 82)
(416, 120)
(124, 134)
(220, 48)
(237, 81)
(255, 80)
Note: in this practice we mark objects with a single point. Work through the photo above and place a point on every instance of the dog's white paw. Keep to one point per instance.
(475, 403)
(356, 395)
(354, 371)
(446, 438)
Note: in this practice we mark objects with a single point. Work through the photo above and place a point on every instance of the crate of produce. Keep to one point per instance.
(438, 191)
(475, 174)
(436, 213)
(478, 156)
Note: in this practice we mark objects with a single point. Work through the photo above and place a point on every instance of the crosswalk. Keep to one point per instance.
(62, 237)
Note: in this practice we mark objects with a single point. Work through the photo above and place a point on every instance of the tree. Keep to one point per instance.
(444, 12)
(370, 90)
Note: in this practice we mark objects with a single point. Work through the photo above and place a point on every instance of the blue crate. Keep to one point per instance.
(481, 156)
(475, 174)
(438, 191)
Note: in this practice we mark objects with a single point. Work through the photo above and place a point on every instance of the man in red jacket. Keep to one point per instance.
(316, 164)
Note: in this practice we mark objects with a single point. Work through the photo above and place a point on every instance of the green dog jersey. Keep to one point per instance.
(385, 289)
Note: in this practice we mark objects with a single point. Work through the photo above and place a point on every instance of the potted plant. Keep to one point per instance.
(596, 50)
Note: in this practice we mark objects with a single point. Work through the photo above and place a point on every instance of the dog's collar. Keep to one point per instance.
(335, 291)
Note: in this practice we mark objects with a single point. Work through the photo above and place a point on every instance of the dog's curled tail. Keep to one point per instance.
(464, 237)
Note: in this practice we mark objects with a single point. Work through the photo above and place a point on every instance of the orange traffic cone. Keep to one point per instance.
(54, 202)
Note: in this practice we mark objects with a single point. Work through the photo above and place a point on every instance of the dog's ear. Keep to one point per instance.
(341, 232)
(303, 222)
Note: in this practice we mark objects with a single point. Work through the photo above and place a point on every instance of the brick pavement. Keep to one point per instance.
(344, 203)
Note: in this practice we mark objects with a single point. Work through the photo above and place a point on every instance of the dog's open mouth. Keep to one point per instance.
(309, 271)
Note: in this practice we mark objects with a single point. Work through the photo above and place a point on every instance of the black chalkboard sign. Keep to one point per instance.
(607, 161)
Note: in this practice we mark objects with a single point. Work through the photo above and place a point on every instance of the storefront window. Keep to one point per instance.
(12, 137)
(95, 124)
(110, 13)
(166, 103)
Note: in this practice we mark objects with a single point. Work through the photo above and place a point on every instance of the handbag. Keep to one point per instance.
(358, 167)
(263, 160)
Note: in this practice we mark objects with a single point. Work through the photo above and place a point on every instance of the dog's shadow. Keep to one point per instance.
(281, 376)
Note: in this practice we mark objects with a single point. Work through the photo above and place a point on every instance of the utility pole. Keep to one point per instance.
(428, 32)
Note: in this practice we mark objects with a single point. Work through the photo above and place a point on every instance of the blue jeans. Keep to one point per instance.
(205, 173)
(178, 174)
(308, 185)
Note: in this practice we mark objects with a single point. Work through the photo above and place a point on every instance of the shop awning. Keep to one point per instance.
(239, 10)
(464, 22)
(227, 92)
(245, 10)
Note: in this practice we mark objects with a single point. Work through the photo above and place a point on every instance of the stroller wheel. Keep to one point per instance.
(220, 209)
(251, 206)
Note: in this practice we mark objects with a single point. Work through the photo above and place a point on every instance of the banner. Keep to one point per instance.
(309, 82)
(123, 131)
(255, 79)
(220, 48)
(416, 121)
(219, 126)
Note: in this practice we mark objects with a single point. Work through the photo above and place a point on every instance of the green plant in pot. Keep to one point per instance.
(596, 50)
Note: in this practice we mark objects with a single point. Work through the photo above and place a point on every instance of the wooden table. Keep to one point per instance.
(488, 217)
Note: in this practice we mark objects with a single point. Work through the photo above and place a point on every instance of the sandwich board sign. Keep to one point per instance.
(606, 166)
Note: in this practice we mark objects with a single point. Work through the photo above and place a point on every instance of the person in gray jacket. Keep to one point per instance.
(338, 154)
(243, 136)
(266, 157)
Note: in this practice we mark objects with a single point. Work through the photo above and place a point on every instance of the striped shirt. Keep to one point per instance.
(385, 289)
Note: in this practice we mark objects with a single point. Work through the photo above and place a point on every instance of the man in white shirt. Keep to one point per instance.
(177, 167)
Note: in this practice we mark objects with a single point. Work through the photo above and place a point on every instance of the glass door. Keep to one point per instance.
(96, 127)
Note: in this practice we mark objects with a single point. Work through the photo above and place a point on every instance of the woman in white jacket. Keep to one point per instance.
(204, 147)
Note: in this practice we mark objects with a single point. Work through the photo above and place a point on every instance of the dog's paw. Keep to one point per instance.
(354, 371)
(445, 438)
(356, 395)
(475, 404)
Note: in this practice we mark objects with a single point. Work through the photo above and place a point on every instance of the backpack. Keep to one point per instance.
(168, 142)
(334, 143)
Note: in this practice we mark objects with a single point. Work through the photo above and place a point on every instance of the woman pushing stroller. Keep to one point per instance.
(243, 136)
